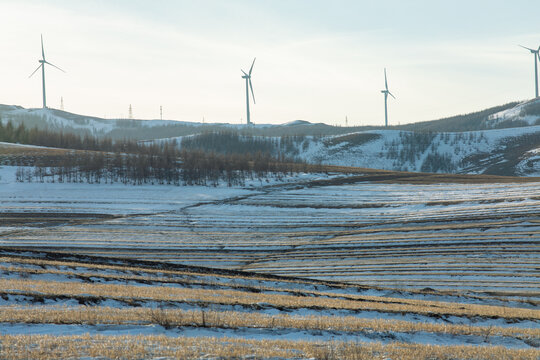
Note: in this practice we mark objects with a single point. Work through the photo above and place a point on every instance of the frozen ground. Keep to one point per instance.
(446, 246)
(31, 280)
(480, 238)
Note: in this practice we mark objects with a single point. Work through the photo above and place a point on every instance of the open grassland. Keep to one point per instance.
(45, 347)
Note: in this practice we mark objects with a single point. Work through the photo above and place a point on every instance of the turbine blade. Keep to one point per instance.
(40, 65)
(251, 87)
(46, 62)
(251, 68)
(244, 72)
(42, 50)
(391, 95)
(385, 81)
(526, 48)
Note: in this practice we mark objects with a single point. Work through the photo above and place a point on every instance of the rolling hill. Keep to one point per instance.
(503, 140)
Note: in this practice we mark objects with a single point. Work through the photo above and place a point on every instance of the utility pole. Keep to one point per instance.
(161, 112)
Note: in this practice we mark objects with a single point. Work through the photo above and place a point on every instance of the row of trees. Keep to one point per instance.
(34, 136)
(194, 168)
(221, 142)
(204, 159)
(231, 142)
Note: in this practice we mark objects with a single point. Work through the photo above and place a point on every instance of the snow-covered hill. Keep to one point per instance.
(58, 120)
(525, 113)
(53, 119)
(507, 142)
(504, 116)
(513, 151)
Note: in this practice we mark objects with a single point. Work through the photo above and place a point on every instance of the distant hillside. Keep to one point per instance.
(510, 115)
(467, 122)
(497, 151)
(503, 140)
(57, 120)
(504, 116)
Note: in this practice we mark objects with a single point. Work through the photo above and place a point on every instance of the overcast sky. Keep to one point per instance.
(316, 60)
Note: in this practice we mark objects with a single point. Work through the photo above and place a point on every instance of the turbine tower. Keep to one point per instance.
(42, 63)
(248, 87)
(386, 92)
(536, 55)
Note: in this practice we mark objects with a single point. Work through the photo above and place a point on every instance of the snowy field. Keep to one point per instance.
(430, 268)
(90, 301)
(480, 238)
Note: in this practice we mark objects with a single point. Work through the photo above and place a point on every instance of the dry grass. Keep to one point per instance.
(363, 276)
(146, 276)
(46, 347)
(393, 177)
(231, 319)
(17, 150)
(235, 297)
(137, 269)
(90, 271)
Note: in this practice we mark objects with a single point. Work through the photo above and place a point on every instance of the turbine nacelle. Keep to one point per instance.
(386, 92)
(531, 50)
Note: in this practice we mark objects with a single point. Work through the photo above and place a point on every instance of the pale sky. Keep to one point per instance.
(316, 60)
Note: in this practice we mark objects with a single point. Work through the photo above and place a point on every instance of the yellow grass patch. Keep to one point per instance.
(232, 319)
(236, 297)
(46, 347)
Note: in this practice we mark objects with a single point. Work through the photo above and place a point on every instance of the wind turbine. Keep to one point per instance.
(42, 63)
(248, 87)
(386, 92)
(536, 55)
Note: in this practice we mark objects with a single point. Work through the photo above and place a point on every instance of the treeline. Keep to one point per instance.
(435, 162)
(532, 109)
(34, 136)
(409, 147)
(95, 160)
(233, 142)
(467, 122)
(191, 168)
(229, 142)
(220, 142)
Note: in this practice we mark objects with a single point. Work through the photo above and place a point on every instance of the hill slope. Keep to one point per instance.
(498, 152)
(504, 116)
(503, 140)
